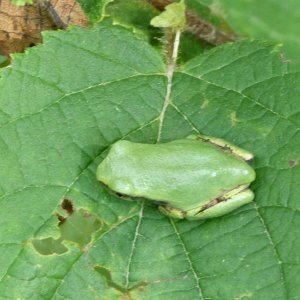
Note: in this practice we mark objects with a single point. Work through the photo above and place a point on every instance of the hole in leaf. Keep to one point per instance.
(78, 227)
(49, 246)
(107, 275)
(293, 163)
(67, 205)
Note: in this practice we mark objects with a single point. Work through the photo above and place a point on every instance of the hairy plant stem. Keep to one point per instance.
(172, 46)
(200, 28)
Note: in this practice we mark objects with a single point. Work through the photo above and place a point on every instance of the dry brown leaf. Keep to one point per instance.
(21, 26)
(69, 12)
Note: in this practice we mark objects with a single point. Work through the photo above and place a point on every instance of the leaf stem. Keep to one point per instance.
(199, 27)
(173, 40)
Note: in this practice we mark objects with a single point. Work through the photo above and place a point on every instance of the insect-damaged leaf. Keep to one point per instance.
(65, 102)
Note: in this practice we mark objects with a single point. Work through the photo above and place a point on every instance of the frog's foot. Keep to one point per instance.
(223, 206)
(172, 212)
(225, 145)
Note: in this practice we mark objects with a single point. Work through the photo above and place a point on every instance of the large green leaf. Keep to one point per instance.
(65, 102)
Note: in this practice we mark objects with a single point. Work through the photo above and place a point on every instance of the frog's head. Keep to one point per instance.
(112, 170)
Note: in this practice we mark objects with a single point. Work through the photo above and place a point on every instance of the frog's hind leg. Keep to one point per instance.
(225, 145)
(224, 207)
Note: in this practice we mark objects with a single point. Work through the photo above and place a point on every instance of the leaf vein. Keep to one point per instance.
(276, 253)
(248, 98)
(68, 188)
(136, 234)
(74, 93)
(196, 277)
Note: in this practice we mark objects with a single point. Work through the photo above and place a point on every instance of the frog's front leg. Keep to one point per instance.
(172, 212)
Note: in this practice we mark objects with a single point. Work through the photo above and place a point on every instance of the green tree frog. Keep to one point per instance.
(197, 177)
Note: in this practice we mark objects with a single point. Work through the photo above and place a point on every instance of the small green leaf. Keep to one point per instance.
(172, 17)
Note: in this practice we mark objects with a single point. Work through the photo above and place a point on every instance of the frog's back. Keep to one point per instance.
(182, 171)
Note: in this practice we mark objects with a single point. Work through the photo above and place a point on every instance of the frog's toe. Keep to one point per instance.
(172, 212)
